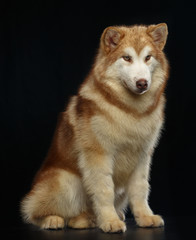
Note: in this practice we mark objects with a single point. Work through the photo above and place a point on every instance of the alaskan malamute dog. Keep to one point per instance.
(100, 157)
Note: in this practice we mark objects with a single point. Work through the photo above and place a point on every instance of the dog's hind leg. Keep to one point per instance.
(54, 200)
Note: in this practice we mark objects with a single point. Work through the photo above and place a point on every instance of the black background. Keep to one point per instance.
(47, 49)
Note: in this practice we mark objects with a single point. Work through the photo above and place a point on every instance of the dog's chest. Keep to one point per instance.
(128, 139)
(133, 143)
(126, 130)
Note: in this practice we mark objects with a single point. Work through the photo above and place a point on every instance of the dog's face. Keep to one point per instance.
(135, 70)
(135, 53)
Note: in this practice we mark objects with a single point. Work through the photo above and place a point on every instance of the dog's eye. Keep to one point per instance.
(147, 58)
(127, 58)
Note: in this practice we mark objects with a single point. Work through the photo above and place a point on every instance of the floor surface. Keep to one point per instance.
(171, 231)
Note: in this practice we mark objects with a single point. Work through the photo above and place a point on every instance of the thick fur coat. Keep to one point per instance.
(100, 157)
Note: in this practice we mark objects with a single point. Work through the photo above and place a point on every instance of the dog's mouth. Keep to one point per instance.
(140, 91)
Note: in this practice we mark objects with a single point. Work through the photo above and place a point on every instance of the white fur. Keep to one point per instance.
(130, 72)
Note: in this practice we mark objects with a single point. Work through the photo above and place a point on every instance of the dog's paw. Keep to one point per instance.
(113, 226)
(53, 222)
(150, 221)
(82, 221)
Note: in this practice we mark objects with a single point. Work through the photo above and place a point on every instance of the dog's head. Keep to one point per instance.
(132, 54)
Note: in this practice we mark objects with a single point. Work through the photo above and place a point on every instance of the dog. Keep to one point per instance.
(100, 156)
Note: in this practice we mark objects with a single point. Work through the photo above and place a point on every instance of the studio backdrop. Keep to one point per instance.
(46, 51)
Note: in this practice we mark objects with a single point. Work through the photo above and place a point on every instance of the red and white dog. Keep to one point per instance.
(100, 157)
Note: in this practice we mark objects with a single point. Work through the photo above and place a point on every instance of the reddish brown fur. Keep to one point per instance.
(60, 156)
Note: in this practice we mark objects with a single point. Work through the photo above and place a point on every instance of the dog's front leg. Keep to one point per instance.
(138, 196)
(97, 178)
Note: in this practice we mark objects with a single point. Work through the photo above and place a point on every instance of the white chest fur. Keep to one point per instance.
(126, 138)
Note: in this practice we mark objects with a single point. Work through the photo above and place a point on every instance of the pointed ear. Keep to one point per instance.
(110, 38)
(159, 34)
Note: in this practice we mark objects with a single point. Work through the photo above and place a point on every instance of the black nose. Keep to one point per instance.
(142, 84)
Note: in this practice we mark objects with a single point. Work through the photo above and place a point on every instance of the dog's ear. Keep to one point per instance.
(159, 34)
(111, 38)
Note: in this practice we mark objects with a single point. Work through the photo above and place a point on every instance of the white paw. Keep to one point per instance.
(150, 221)
(53, 222)
(113, 226)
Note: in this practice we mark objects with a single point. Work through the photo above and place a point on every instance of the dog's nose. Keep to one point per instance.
(142, 84)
